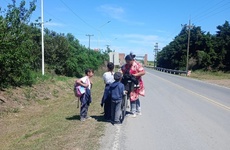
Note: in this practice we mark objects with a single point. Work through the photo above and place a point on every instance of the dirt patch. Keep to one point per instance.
(15, 99)
(222, 82)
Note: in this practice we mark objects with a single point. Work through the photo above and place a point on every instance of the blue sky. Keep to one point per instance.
(130, 25)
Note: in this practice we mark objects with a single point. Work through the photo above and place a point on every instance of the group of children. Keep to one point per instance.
(113, 95)
(112, 98)
(114, 90)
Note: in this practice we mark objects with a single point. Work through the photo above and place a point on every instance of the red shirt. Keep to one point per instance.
(135, 68)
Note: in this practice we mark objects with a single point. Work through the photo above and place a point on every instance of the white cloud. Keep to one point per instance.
(140, 39)
(54, 24)
(115, 12)
(118, 13)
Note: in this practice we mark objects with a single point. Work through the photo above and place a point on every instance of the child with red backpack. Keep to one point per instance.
(85, 98)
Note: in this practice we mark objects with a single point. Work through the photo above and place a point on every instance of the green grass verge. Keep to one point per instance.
(54, 123)
(208, 75)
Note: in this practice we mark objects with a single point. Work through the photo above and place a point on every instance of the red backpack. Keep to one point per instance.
(79, 90)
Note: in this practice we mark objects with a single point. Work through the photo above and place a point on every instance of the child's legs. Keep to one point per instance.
(138, 106)
(117, 111)
(113, 105)
(133, 106)
(107, 110)
(84, 110)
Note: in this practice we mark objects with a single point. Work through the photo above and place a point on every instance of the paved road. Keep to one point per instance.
(178, 113)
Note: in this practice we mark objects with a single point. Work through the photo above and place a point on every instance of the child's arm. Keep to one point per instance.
(123, 89)
(79, 81)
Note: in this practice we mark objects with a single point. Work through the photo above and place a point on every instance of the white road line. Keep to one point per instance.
(117, 137)
(206, 98)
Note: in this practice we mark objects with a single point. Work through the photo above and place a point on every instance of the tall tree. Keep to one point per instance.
(15, 45)
(223, 45)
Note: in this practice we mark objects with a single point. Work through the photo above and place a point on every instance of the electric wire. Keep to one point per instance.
(71, 10)
(206, 10)
(210, 15)
(211, 11)
(78, 16)
(61, 21)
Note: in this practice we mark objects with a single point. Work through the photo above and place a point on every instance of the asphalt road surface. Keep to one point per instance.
(178, 113)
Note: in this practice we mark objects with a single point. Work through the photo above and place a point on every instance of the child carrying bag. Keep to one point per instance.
(78, 90)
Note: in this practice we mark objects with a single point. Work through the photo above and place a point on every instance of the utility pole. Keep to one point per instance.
(156, 52)
(107, 46)
(189, 27)
(42, 34)
(89, 35)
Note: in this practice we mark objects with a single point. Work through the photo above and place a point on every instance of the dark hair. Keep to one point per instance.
(117, 76)
(110, 66)
(88, 70)
(130, 57)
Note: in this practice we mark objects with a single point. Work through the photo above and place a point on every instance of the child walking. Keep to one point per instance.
(86, 97)
(116, 91)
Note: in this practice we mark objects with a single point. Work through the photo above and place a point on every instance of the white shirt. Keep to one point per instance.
(85, 80)
(108, 77)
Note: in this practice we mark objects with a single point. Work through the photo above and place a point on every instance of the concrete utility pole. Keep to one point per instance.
(42, 32)
(189, 28)
(156, 52)
(89, 35)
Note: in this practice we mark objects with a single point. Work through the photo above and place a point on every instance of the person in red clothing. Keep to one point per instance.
(135, 69)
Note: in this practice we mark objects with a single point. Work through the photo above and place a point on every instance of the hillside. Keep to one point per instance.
(46, 116)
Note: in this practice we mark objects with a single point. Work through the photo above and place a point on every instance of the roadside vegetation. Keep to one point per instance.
(20, 49)
(218, 77)
(45, 116)
(40, 111)
(208, 75)
(209, 52)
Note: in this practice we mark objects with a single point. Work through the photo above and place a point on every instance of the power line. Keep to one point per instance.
(204, 11)
(97, 29)
(61, 21)
(105, 24)
(209, 12)
(78, 16)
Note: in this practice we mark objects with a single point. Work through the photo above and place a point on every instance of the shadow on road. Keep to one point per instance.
(99, 118)
(75, 117)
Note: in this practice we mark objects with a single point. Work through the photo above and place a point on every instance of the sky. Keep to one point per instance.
(129, 25)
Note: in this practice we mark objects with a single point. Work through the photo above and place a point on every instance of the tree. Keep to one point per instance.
(16, 45)
(222, 46)
(206, 51)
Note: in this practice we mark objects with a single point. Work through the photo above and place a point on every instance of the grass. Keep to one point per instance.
(208, 75)
(53, 123)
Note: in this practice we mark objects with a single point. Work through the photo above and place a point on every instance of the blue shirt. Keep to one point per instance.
(116, 90)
